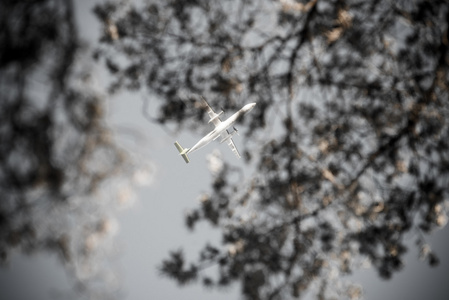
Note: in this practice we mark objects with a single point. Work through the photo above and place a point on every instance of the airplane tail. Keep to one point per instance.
(182, 152)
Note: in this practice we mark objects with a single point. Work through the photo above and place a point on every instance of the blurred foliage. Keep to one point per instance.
(349, 138)
(55, 150)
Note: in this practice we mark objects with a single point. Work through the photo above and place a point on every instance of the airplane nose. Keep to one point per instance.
(250, 106)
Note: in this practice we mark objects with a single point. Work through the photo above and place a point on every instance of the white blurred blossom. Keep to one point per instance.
(215, 162)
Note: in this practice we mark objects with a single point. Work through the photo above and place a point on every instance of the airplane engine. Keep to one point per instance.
(230, 134)
(216, 117)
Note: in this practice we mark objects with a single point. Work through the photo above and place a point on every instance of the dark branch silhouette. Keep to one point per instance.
(349, 137)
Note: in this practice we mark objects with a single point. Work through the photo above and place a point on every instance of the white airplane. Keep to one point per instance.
(221, 129)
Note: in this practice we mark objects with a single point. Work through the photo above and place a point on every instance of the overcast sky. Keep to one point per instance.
(155, 224)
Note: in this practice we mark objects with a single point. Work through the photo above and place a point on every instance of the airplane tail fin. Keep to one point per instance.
(182, 152)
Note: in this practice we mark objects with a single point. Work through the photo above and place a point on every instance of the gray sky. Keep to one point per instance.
(154, 225)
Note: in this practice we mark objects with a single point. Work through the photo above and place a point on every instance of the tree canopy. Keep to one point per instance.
(349, 137)
(348, 143)
(55, 148)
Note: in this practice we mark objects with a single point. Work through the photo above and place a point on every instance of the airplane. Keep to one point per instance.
(221, 129)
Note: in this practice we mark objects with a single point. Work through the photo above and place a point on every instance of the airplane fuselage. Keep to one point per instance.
(214, 134)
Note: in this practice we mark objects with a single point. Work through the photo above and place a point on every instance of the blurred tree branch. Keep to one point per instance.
(55, 150)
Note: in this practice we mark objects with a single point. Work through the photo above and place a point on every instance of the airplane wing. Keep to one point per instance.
(230, 142)
(214, 118)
